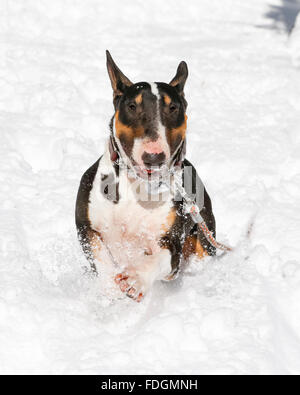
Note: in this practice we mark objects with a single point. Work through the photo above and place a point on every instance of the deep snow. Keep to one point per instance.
(236, 315)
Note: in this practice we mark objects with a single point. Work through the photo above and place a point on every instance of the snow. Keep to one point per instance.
(295, 41)
(235, 315)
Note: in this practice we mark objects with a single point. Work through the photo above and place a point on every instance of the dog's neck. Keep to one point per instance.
(150, 194)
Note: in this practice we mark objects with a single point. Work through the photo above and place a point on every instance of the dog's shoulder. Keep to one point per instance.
(194, 186)
(83, 195)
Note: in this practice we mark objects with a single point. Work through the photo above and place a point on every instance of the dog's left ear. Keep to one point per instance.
(118, 80)
(180, 78)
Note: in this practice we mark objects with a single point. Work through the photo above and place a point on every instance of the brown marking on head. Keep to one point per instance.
(126, 131)
(167, 99)
(175, 135)
(181, 130)
(192, 246)
(139, 99)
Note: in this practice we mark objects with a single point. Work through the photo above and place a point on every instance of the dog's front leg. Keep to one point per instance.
(91, 242)
(137, 279)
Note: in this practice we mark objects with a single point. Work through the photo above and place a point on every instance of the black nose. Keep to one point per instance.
(154, 160)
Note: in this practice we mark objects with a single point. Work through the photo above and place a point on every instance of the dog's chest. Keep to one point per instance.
(128, 220)
(129, 227)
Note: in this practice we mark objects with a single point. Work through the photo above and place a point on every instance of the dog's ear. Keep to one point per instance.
(180, 78)
(118, 80)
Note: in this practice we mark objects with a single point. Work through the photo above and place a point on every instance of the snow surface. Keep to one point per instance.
(236, 315)
(295, 41)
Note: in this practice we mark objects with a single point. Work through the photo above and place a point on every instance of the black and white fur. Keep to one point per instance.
(143, 235)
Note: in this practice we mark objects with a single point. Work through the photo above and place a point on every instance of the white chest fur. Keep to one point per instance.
(130, 228)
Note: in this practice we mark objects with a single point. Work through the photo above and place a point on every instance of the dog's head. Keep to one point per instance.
(150, 118)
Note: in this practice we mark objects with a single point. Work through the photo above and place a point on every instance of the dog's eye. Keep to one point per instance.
(132, 107)
(172, 107)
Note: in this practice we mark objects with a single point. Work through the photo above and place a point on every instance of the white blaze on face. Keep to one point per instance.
(137, 151)
(142, 145)
(161, 130)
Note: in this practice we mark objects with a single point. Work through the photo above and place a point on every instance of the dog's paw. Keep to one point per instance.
(131, 285)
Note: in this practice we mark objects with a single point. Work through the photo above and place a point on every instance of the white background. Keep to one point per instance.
(236, 315)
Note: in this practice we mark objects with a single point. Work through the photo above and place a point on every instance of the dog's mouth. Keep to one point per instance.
(149, 174)
(151, 171)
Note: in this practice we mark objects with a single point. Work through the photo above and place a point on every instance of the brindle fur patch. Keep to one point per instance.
(192, 246)
(171, 218)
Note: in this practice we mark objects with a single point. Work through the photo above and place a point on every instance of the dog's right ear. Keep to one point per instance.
(180, 78)
(118, 80)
